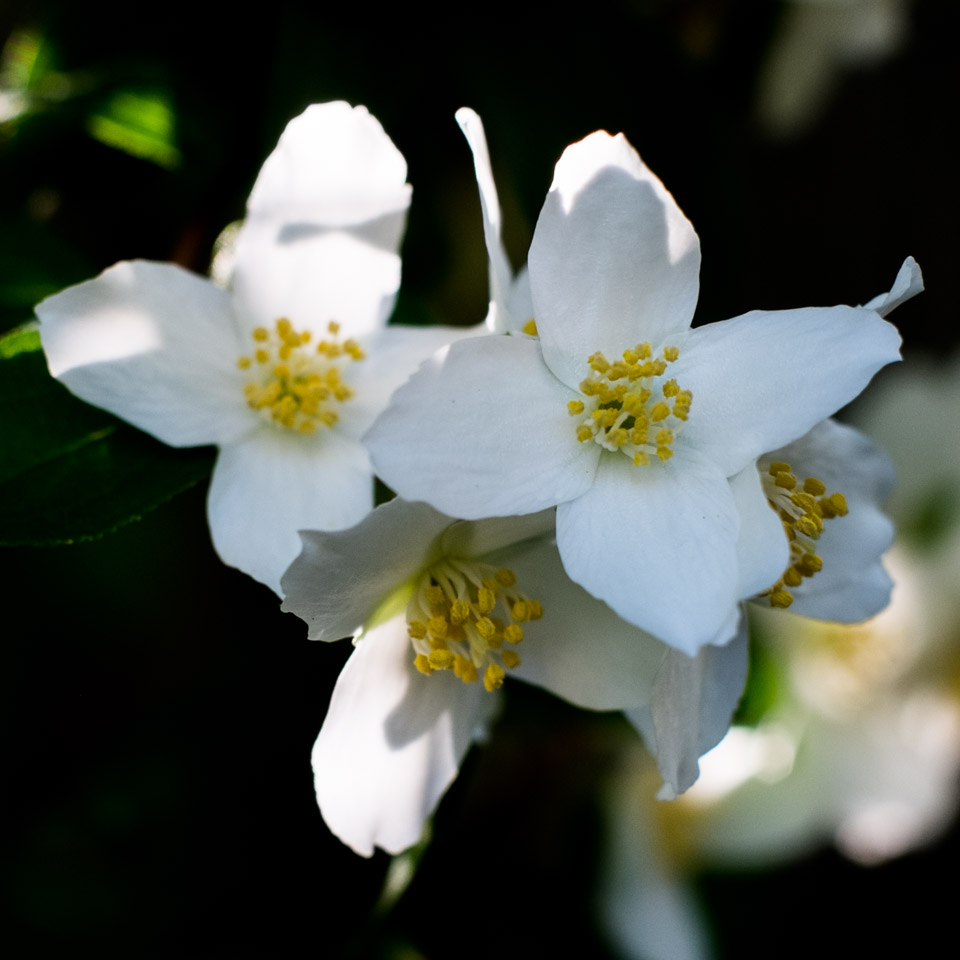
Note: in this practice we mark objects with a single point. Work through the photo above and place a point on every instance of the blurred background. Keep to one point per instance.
(160, 710)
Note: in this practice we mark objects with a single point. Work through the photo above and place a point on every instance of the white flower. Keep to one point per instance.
(828, 488)
(452, 599)
(815, 43)
(263, 370)
(860, 747)
(644, 432)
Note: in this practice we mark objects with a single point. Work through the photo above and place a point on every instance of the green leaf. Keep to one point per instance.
(141, 123)
(69, 471)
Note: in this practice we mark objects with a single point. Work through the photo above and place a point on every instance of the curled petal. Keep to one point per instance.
(391, 743)
(613, 261)
(501, 276)
(908, 284)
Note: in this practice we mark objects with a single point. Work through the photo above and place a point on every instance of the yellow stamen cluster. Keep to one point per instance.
(298, 386)
(530, 328)
(452, 622)
(628, 405)
(802, 508)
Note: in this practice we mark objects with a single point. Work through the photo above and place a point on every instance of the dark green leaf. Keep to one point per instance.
(69, 471)
(34, 264)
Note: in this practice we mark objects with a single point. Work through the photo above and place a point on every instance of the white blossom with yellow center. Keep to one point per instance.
(259, 370)
(629, 407)
(442, 612)
(828, 489)
(453, 624)
(298, 385)
(660, 534)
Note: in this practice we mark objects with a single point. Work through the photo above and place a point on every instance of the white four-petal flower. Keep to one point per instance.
(160, 347)
(504, 425)
(393, 739)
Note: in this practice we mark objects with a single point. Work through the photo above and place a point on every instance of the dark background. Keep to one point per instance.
(159, 710)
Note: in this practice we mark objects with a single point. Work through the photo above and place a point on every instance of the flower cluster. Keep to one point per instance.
(589, 488)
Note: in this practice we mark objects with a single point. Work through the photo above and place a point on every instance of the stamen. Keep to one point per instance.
(802, 508)
(452, 624)
(624, 399)
(297, 388)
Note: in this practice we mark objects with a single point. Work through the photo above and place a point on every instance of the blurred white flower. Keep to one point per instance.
(859, 742)
(815, 43)
(286, 370)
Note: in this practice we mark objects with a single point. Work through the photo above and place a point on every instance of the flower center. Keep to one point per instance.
(630, 407)
(452, 622)
(296, 386)
(802, 508)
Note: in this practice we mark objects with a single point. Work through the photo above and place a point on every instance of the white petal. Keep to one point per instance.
(312, 275)
(482, 430)
(323, 227)
(153, 344)
(501, 275)
(765, 378)
(692, 703)
(613, 262)
(908, 284)
(341, 577)
(275, 483)
(852, 585)
(763, 552)
(333, 166)
(579, 649)
(393, 354)
(391, 743)
(843, 458)
(658, 544)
